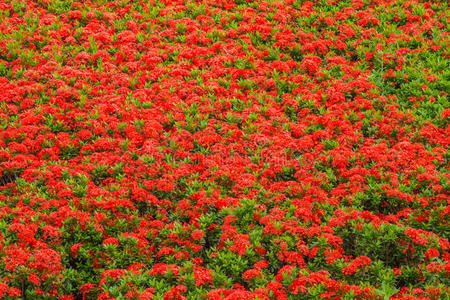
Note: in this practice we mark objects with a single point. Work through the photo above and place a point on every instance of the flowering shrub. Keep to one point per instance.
(224, 149)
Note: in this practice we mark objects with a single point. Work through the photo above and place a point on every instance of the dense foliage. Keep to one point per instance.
(224, 149)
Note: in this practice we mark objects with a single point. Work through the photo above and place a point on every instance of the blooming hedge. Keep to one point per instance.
(222, 149)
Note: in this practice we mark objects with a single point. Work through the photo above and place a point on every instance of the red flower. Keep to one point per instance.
(357, 263)
(202, 276)
(261, 265)
(176, 293)
(311, 64)
(33, 278)
(147, 294)
(14, 292)
(75, 249)
(432, 252)
(240, 244)
(3, 289)
(75, 14)
(252, 273)
(197, 234)
(111, 241)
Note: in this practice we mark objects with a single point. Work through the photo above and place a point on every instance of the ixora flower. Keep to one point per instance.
(3, 289)
(76, 248)
(224, 149)
(197, 234)
(203, 276)
(111, 241)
